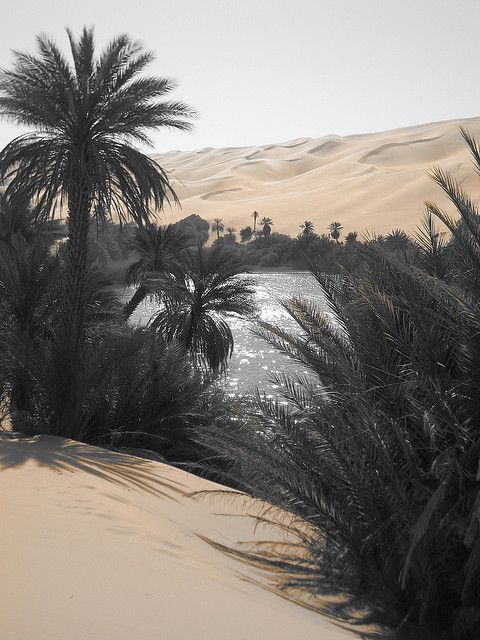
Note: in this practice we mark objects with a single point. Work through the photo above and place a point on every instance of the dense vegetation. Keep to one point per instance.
(378, 448)
(71, 365)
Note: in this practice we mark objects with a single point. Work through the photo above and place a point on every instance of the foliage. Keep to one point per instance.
(266, 226)
(196, 300)
(378, 448)
(308, 228)
(335, 230)
(85, 115)
(217, 227)
(246, 234)
(132, 390)
(159, 251)
(255, 216)
(195, 228)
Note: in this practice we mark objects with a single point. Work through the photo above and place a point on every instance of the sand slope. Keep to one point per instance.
(102, 546)
(374, 181)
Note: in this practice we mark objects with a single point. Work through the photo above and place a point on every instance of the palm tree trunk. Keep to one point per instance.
(78, 225)
(68, 355)
(76, 275)
(135, 300)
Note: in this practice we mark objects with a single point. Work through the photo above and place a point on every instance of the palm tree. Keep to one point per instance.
(378, 448)
(351, 238)
(217, 226)
(31, 291)
(335, 230)
(202, 293)
(85, 115)
(267, 226)
(246, 234)
(159, 249)
(255, 215)
(307, 227)
(397, 240)
(231, 234)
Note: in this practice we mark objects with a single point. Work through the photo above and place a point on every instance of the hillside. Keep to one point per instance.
(99, 545)
(369, 182)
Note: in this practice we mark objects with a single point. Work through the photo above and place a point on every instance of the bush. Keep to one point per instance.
(378, 448)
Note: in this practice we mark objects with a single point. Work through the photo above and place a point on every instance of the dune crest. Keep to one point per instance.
(375, 181)
(100, 545)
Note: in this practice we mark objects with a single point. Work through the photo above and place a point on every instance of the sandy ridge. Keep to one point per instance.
(98, 545)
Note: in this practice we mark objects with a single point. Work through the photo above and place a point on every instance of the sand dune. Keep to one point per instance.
(102, 546)
(369, 182)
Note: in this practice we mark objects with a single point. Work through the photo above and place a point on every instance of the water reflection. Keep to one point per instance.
(253, 359)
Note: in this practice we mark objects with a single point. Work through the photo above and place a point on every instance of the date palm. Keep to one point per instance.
(217, 226)
(202, 293)
(159, 249)
(86, 114)
(335, 230)
(307, 227)
(351, 238)
(246, 234)
(267, 226)
(255, 215)
(231, 233)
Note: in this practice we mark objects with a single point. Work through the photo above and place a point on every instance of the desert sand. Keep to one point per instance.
(369, 182)
(98, 545)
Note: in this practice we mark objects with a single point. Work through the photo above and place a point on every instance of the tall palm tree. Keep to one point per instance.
(85, 114)
(267, 226)
(307, 227)
(217, 226)
(158, 248)
(335, 230)
(203, 292)
(255, 215)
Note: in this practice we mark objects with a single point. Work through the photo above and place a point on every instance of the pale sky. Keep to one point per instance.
(266, 71)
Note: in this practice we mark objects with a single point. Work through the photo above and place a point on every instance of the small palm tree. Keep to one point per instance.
(335, 230)
(217, 227)
(397, 240)
(267, 226)
(255, 215)
(231, 234)
(158, 248)
(246, 234)
(351, 238)
(85, 115)
(208, 288)
(307, 227)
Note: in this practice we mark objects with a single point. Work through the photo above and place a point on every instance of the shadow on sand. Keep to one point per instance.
(286, 567)
(69, 456)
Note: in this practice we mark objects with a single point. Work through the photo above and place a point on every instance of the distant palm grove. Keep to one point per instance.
(376, 452)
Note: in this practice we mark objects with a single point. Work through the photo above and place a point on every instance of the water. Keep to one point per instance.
(254, 360)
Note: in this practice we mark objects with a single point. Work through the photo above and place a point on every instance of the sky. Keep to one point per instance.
(267, 71)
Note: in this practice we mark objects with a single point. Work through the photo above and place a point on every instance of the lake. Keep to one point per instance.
(254, 360)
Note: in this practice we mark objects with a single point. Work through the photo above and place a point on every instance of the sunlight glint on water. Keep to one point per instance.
(253, 359)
